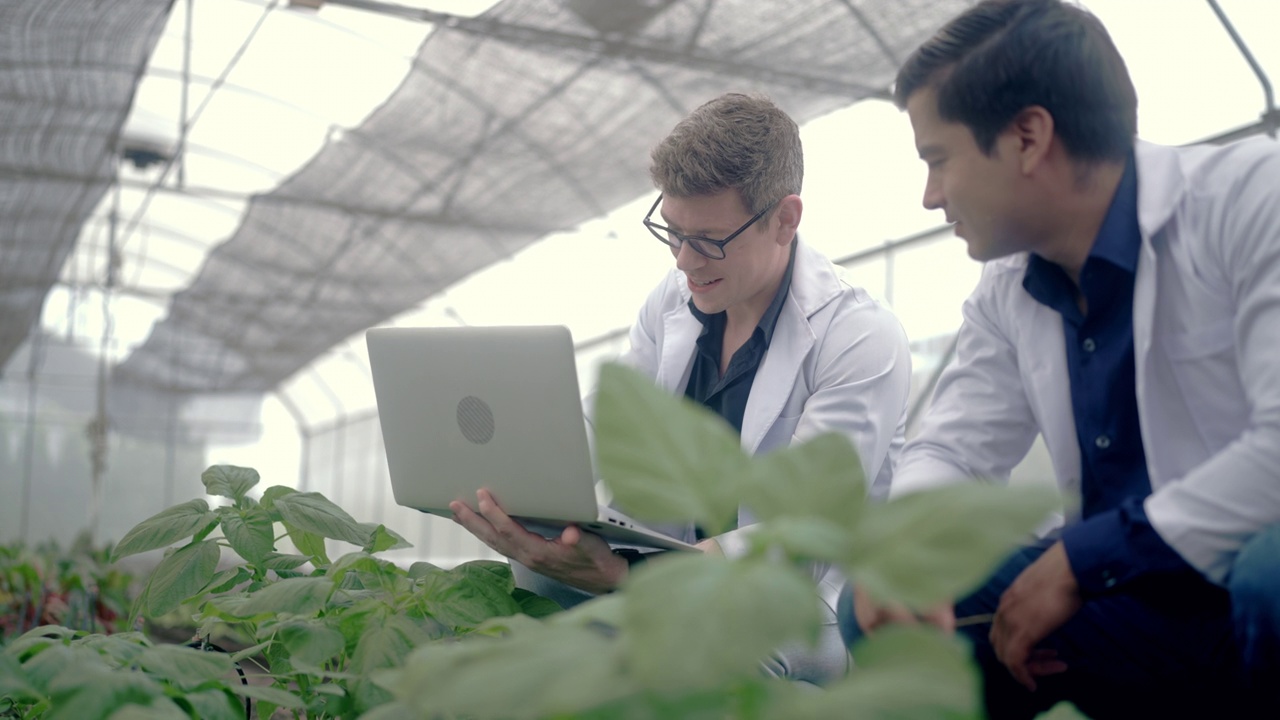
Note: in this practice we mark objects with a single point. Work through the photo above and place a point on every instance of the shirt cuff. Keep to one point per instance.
(1116, 547)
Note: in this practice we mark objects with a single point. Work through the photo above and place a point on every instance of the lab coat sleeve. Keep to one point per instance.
(861, 385)
(642, 352)
(979, 424)
(1209, 514)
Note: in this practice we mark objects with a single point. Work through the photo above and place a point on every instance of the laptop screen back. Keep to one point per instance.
(495, 407)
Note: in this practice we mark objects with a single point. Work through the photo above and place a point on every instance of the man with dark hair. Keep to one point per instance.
(753, 324)
(1129, 314)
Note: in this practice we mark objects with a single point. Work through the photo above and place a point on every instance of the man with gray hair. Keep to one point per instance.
(753, 324)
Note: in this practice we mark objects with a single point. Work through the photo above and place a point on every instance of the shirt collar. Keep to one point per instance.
(1118, 242)
(770, 318)
(1120, 239)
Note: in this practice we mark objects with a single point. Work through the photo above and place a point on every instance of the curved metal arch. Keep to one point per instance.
(510, 126)
(876, 37)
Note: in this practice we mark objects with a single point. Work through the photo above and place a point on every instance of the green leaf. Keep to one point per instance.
(734, 612)
(251, 651)
(13, 681)
(50, 632)
(165, 528)
(422, 569)
(46, 662)
(308, 543)
(229, 480)
(216, 704)
(314, 513)
(1062, 711)
(310, 644)
(120, 649)
(224, 580)
(936, 545)
(899, 672)
(664, 458)
(386, 644)
(87, 692)
(181, 575)
(159, 709)
(820, 479)
(392, 711)
(262, 693)
(463, 597)
(362, 563)
(489, 572)
(605, 610)
(183, 666)
(535, 605)
(277, 561)
(250, 532)
(382, 538)
(273, 493)
(803, 538)
(539, 672)
(294, 596)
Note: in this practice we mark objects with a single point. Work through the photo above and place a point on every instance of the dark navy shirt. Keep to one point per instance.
(1114, 542)
(727, 396)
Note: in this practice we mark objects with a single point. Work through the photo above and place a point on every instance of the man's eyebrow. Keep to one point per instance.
(671, 226)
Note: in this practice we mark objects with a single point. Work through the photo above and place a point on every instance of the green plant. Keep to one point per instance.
(321, 626)
(685, 636)
(73, 587)
(361, 637)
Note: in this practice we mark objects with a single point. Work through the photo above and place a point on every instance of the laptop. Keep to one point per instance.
(497, 407)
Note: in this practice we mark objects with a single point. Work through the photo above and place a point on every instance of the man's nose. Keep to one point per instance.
(689, 259)
(933, 197)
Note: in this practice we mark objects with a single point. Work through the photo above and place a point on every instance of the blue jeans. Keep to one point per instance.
(1167, 646)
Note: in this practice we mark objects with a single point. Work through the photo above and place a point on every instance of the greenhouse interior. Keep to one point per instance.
(205, 204)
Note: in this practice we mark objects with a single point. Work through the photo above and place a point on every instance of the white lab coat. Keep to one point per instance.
(837, 362)
(1206, 327)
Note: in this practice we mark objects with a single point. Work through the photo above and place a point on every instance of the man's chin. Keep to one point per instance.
(706, 306)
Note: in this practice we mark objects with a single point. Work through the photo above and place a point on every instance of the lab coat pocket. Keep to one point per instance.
(1203, 361)
(780, 433)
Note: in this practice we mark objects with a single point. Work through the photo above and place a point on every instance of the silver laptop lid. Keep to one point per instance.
(496, 407)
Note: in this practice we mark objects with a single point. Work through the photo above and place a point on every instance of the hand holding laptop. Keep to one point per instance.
(578, 558)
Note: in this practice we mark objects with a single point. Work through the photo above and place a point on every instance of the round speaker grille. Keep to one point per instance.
(475, 419)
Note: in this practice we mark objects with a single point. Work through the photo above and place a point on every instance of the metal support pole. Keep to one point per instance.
(29, 454)
(184, 125)
(888, 273)
(1269, 113)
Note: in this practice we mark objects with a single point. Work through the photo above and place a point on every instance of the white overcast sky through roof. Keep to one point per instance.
(285, 81)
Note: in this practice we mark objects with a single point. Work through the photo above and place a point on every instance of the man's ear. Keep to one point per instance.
(1032, 131)
(789, 210)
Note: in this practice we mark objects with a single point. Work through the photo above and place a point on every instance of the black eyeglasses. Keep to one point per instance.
(713, 249)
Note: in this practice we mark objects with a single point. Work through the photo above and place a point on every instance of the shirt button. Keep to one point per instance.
(1102, 442)
(1089, 345)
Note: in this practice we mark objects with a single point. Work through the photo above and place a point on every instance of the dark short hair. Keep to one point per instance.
(1002, 56)
(733, 142)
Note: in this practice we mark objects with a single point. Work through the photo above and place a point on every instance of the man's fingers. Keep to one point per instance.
(942, 617)
(1012, 653)
(1045, 662)
(571, 536)
(898, 614)
(475, 524)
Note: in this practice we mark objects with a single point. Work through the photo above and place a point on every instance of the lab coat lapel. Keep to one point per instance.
(1161, 185)
(777, 375)
(680, 336)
